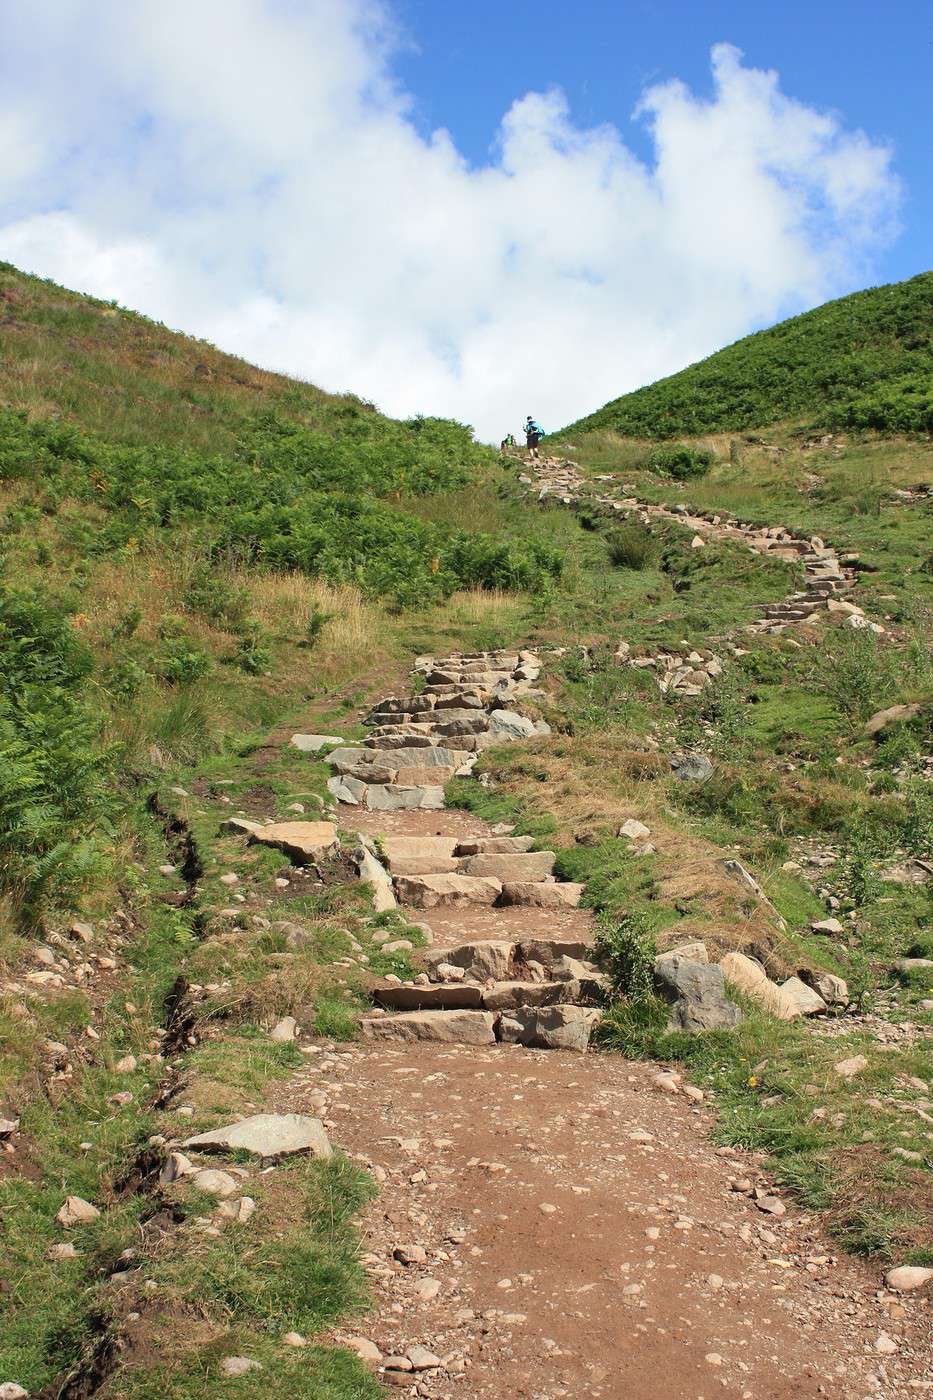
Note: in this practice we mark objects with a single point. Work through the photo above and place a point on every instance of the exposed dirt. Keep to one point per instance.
(581, 1234)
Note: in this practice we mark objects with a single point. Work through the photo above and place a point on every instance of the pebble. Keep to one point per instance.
(428, 1288)
(294, 1339)
(854, 1065)
(410, 1254)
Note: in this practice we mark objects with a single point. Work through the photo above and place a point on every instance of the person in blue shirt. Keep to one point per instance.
(533, 435)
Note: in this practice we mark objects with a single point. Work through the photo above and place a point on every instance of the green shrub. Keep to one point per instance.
(680, 461)
(181, 662)
(631, 547)
(629, 950)
(216, 597)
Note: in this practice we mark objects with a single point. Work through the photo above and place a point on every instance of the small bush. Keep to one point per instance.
(182, 662)
(629, 947)
(680, 461)
(631, 547)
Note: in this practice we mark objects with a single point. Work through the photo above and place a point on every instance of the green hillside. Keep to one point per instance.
(864, 361)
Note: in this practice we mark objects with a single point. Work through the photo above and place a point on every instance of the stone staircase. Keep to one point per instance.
(530, 990)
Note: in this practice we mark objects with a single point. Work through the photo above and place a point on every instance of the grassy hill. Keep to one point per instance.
(197, 559)
(864, 361)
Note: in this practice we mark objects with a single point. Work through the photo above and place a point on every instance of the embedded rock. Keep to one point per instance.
(511, 868)
(77, 1211)
(373, 873)
(453, 996)
(382, 798)
(508, 724)
(302, 842)
(751, 978)
(454, 891)
(807, 1001)
(270, 1136)
(542, 895)
(489, 958)
(494, 845)
(313, 743)
(692, 768)
(698, 993)
(446, 1027)
(549, 1027)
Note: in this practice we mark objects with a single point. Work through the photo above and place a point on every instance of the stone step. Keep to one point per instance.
(543, 895)
(500, 960)
(493, 845)
(499, 996)
(446, 891)
(557, 1027)
(385, 797)
(514, 866)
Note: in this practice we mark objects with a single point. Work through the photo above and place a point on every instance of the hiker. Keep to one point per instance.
(533, 435)
(507, 442)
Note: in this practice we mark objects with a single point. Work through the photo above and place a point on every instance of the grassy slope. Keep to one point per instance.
(152, 596)
(864, 361)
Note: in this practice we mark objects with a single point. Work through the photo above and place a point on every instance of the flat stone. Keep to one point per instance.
(446, 1027)
(750, 977)
(449, 891)
(270, 1136)
(421, 1359)
(365, 1349)
(453, 996)
(852, 1066)
(559, 895)
(634, 830)
(690, 952)
(549, 1027)
(301, 841)
(511, 868)
(313, 743)
(508, 995)
(383, 798)
(494, 845)
(807, 1001)
(830, 926)
(240, 826)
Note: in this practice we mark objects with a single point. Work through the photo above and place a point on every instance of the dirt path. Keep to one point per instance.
(555, 1224)
(580, 1238)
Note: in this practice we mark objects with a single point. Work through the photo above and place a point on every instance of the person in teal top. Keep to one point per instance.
(533, 435)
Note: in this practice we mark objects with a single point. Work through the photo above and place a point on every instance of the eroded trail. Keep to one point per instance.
(553, 1223)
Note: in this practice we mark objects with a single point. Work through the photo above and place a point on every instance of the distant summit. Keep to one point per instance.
(863, 361)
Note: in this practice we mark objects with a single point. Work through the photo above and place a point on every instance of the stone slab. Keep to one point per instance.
(270, 1136)
(446, 1027)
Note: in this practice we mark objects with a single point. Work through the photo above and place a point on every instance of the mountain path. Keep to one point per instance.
(551, 1223)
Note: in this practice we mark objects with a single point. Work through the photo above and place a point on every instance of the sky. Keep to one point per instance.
(481, 210)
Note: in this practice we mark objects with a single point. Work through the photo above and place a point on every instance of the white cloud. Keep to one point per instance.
(248, 171)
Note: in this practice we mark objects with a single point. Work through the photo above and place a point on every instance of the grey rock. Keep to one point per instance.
(692, 768)
(698, 993)
(485, 959)
(270, 1136)
(313, 743)
(398, 799)
(373, 873)
(445, 1027)
(510, 725)
(809, 1002)
(549, 1027)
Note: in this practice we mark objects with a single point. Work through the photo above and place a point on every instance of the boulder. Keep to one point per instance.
(895, 715)
(834, 990)
(698, 993)
(270, 1136)
(485, 959)
(447, 1027)
(542, 896)
(373, 873)
(549, 1027)
(313, 743)
(453, 891)
(215, 1183)
(634, 830)
(511, 868)
(692, 768)
(508, 724)
(750, 977)
(807, 1001)
(302, 842)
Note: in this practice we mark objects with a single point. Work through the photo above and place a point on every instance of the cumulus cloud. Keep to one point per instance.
(249, 171)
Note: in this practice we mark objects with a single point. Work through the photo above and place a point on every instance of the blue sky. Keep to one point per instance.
(871, 60)
(447, 207)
